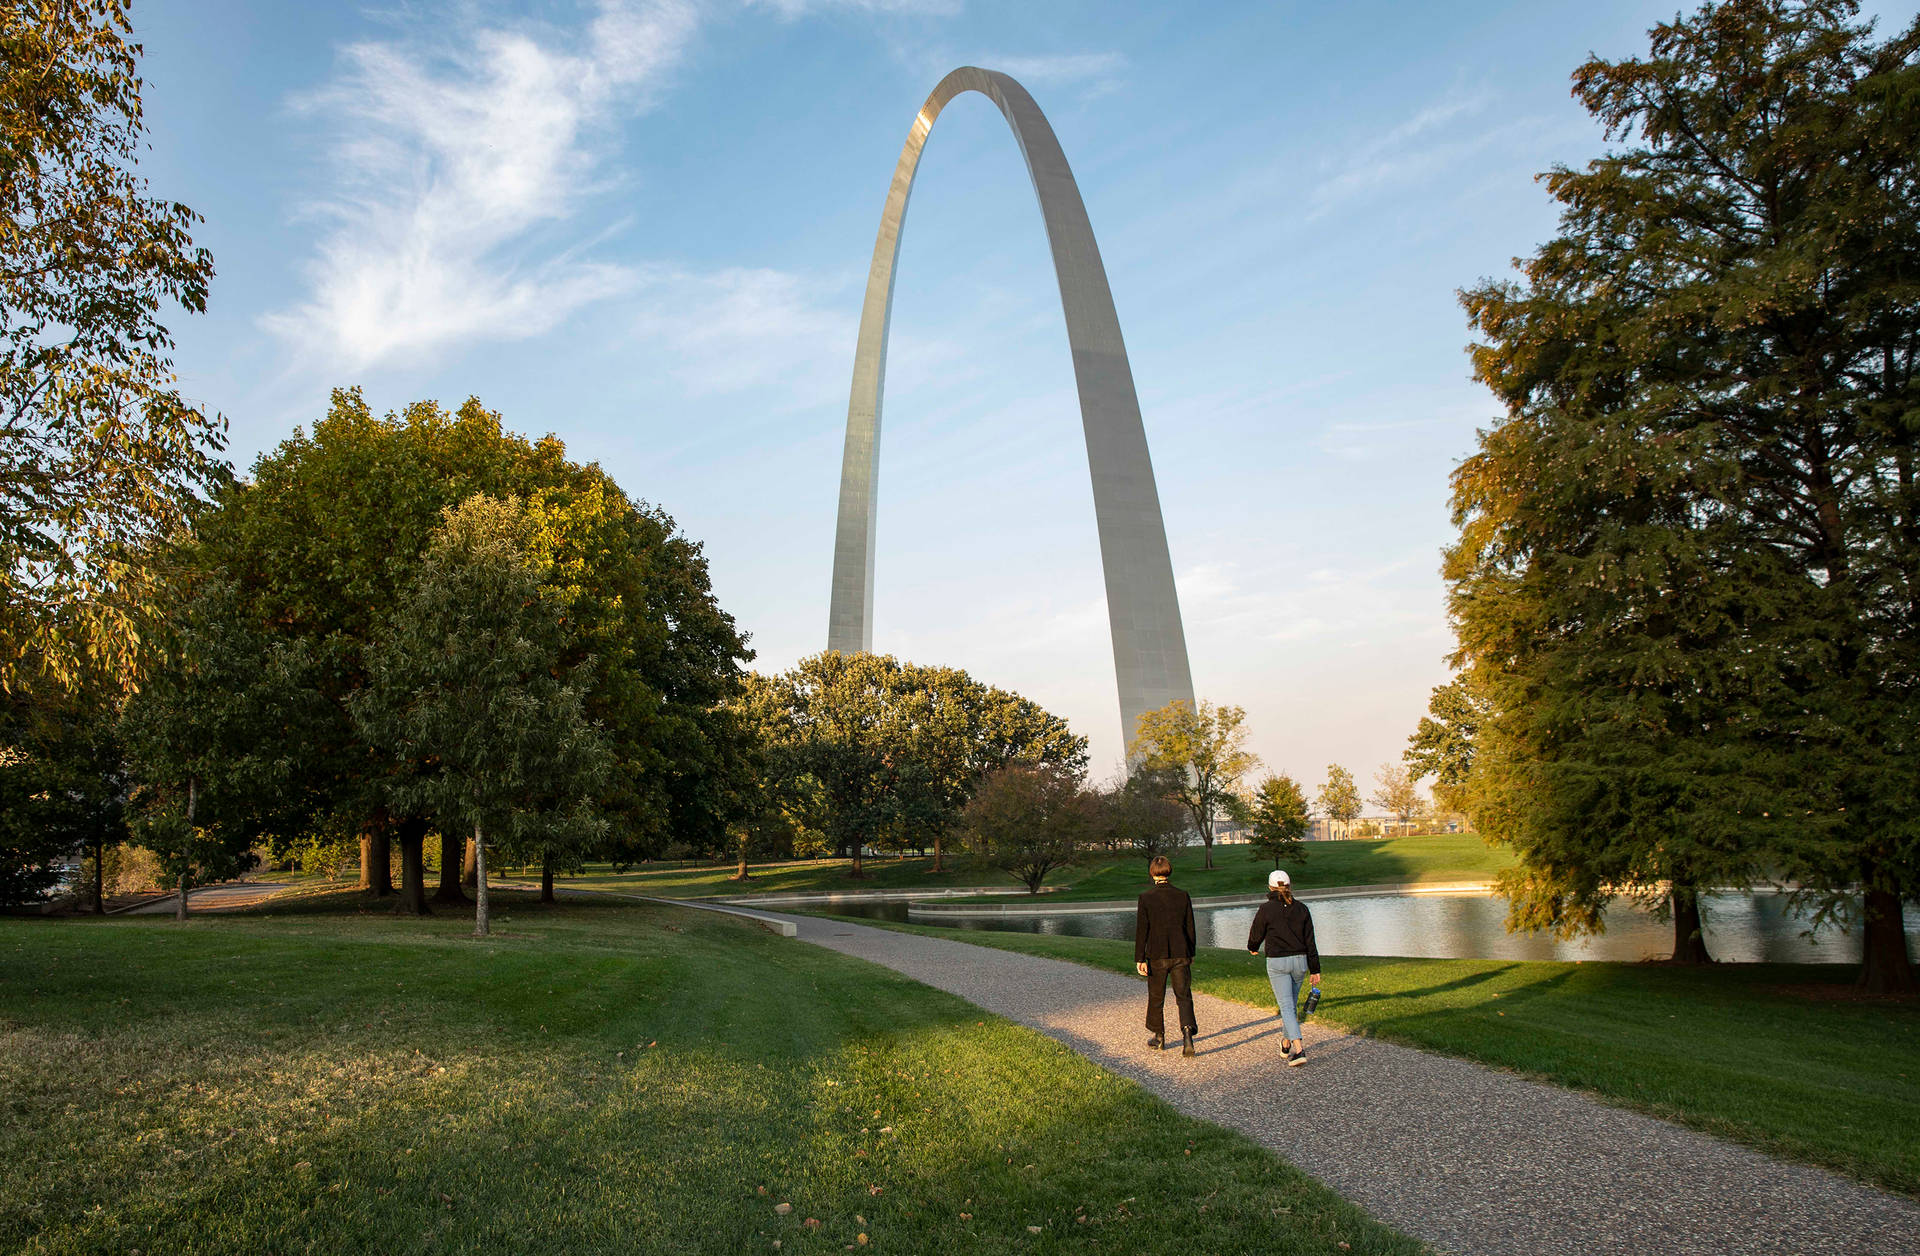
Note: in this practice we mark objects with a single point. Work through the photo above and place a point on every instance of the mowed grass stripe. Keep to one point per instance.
(600, 1077)
(1780, 1057)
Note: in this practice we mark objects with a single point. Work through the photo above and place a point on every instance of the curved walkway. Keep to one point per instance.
(1465, 1157)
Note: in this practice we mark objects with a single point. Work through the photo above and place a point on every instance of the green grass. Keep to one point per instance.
(1238, 870)
(597, 1077)
(803, 876)
(1781, 1057)
(1452, 857)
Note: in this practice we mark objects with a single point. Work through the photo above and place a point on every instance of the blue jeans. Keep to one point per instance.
(1288, 973)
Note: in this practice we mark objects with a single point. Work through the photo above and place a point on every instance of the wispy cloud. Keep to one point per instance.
(1415, 148)
(444, 164)
(800, 8)
(1061, 69)
(740, 329)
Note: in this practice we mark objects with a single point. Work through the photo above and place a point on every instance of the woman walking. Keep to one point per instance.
(1286, 928)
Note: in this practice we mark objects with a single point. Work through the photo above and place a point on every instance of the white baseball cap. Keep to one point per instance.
(1277, 878)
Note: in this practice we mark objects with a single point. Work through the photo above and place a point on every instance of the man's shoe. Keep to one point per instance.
(1186, 1043)
(1157, 1043)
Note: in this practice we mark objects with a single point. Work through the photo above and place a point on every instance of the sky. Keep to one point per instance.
(644, 227)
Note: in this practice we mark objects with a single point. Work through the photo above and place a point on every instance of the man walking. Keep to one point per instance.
(1163, 944)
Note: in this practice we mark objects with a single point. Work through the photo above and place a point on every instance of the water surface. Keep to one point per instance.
(1740, 928)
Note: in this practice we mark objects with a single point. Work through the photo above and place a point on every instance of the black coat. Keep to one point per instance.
(1163, 926)
(1287, 929)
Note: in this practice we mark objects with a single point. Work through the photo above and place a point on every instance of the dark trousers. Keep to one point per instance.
(1159, 972)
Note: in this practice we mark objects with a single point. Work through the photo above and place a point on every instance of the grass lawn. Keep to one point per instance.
(1238, 870)
(801, 876)
(1781, 1057)
(1453, 857)
(598, 1077)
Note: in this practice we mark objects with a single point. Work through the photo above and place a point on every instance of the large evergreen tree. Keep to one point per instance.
(1688, 579)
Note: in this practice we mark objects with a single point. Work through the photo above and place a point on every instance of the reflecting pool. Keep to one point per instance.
(1747, 928)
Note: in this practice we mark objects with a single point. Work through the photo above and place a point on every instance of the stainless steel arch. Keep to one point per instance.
(1143, 609)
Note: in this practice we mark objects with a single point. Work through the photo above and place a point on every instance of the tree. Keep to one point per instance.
(327, 533)
(1441, 746)
(202, 737)
(1688, 575)
(881, 751)
(1340, 798)
(468, 694)
(63, 786)
(1205, 750)
(1028, 820)
(1395, 791)
(100, 457)
(1279, 819)
(1138, 814)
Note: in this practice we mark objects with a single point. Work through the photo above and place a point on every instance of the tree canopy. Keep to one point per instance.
(1202, 750)
(1687, 584)
(322, 542)
(871, 751)
(468, 695)
(100, 457)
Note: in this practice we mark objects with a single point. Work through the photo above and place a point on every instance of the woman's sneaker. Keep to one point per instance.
(1298, 1057)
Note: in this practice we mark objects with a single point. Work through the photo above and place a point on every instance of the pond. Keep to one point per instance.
(1740, 928)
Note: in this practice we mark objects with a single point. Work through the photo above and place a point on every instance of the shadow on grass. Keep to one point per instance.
(620, 1078)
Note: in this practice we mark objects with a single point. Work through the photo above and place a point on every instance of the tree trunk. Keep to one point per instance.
(467, 877)
(855, 872)
(1206, 839)
(100, 876)
(1689, 931)
(376, 859)
(452, 847)
(546, 878)
(938, 866)
(481, 923)
(1884, 966)
(741, 874)
(180, 912)
(413, 870)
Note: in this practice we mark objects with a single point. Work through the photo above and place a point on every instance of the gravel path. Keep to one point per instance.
(1465, 1157)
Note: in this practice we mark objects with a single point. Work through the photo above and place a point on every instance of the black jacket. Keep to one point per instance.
(1163, 926)
(1287, 929)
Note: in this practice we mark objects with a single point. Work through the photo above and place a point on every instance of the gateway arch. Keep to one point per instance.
(1149, 644)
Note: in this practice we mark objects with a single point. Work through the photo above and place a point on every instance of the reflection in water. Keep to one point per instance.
(1740, 928)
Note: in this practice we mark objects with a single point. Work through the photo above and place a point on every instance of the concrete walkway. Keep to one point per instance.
(1470, 1159)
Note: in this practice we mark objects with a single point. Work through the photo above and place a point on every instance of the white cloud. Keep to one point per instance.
(791, 9)
(1065, 68)
(445, 164)
(1411, 150)
(738, 329)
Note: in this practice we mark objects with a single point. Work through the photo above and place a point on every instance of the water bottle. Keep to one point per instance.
(1313, 1001)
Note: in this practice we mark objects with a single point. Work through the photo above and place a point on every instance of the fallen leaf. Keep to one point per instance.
(1033, 1229)
(812, 1223)
(861, 1239)
(874, 1190)
(783, 1209)
(966, 1216)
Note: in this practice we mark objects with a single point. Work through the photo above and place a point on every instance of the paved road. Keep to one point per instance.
(227, 897)
(1468, 1158)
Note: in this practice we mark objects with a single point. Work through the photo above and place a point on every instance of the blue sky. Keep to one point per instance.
(643, 225)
